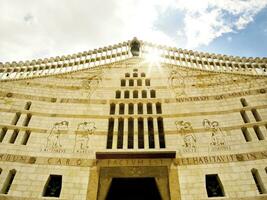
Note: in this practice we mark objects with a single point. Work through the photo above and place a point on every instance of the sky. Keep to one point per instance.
(32, 29)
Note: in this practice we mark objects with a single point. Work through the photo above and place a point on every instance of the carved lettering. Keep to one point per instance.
(217, 97)
(264, 154)
(78, 162)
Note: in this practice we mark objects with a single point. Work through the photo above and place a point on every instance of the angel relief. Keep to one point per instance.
(92, 82)
(177, 83)
(82, 136)
(53, 140)
(189, 138)
(218, 137)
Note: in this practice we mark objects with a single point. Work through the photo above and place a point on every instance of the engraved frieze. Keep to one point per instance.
(189, 138)
(177, 83)
(82, 136)
(218, 140)
(53, 140)
(92, 82)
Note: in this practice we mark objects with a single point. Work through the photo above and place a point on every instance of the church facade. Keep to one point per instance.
(112, 124)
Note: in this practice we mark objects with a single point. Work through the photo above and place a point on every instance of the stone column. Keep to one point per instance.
(93, 184)
(125, 133)
(156, 133)
(115, 134)
(174, 183)
(135, 142)
(146, 142)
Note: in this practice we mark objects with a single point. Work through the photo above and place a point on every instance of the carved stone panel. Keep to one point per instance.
(53, 140)
(185, 129)
(218, 141)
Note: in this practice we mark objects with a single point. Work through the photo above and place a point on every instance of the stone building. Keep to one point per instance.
(134, 120)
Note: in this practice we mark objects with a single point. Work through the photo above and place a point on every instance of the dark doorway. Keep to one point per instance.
(133, 189)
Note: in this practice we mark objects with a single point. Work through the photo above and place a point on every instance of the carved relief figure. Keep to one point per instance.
(185, 128)
(218, 137)
(84, 130)
(93, 82)
(53, 139)
(177, 83)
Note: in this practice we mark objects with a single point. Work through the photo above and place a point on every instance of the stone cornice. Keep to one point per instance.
(121, 51)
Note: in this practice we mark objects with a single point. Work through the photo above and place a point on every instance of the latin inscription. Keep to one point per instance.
(17, 158)
(221, 159)
(219, 97)
(134, 162)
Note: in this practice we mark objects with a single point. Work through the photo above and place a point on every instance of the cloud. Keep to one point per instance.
(206, 20)
(31, 29)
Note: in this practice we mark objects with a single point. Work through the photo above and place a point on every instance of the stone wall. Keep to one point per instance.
(201, 112)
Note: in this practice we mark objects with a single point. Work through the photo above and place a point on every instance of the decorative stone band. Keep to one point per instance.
(121, 51)
(3, 196)
(134, 162)
(167, 132)
(100, 101)
(92, 116)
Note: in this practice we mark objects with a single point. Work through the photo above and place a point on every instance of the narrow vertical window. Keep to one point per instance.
(3, 134)
(244, 102)
(147, 82)
(140, 133)
(140, 108)
(151, 140)
(152, 94)
(256, 115)
(143, 74)
(258, 133)
(26, 137)
(127, 75)
(244, 116)
(121, 109)
(28, 105)
(8, 182)
(139, 82)
(135, 94)
(131, 82)
(14, 136)
(130, 133)
(135, 75)
(149, 108)
(27, 120)
(161, 133)
(246, 134)
(53, 186)
(258, 181)
(110, 133)
(123, 82)
(126, 94)
(158, 108)
(214, 186)
(144, 94)
(130, 109)
(112, 109)
(16, 119)
(118, 94)
(120, 133)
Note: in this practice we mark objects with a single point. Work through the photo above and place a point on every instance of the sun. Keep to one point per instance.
(153, 57)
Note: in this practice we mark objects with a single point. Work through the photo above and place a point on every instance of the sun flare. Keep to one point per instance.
(153, 57)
